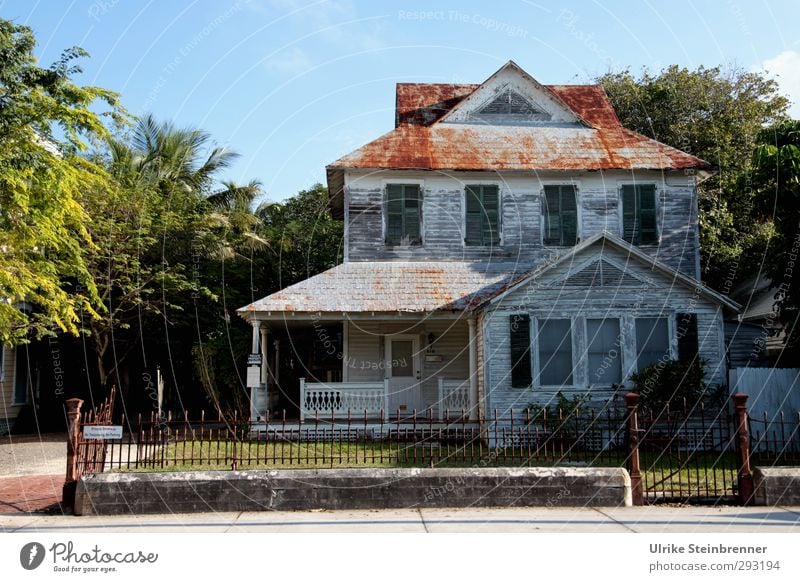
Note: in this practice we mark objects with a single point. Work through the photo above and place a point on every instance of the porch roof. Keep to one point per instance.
(355, 287)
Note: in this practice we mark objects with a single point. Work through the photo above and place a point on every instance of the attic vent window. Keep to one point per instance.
(511, 103)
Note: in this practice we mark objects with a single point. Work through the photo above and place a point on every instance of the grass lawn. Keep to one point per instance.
(702, 474)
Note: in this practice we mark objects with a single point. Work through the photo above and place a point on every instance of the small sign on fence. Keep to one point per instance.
(102, 431)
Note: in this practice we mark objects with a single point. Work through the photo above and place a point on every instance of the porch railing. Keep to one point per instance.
(343, 398)
(453, 398)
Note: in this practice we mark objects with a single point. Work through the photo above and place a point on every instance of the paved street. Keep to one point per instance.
(605, 520)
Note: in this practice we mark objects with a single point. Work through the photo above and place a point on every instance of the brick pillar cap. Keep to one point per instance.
(740, 399)
(631, 398)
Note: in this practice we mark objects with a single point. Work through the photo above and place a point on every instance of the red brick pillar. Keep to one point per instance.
(631, 403)
(745, 476)
(73, 406)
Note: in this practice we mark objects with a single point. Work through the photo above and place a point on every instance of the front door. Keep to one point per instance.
(403, 371)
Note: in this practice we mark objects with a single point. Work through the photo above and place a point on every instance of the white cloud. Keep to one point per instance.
(292, 61)
(785, 68)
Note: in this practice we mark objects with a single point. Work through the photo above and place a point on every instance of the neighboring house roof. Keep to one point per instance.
(606, 238)
(757, 295)
(423, 140)
(359, 287)
(389, 287)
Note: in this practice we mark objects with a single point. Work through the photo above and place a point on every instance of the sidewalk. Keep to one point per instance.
(32, 469)
(508, 520)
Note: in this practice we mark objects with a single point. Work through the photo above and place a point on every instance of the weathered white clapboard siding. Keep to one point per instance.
(747, 344)
(365, 360)
(8, 412)
(521, 228)
(771, 390)
(545, 297)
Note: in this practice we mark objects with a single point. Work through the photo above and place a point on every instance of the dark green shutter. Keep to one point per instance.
(647, 214)
(688, 344)
(482, 215)
(629, 214)
(473, 216)
(520, 351)
(551, 211)
(491, 215)
(394, 213)
(569, 216)
(412, 227)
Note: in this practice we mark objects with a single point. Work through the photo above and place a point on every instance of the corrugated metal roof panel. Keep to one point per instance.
(453, 146)
(391, 287)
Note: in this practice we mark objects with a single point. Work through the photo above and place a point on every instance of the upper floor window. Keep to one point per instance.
(482, 215)
(639, 214)
(403, 214)
(560, 210)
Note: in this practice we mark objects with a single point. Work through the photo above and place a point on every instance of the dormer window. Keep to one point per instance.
(510, 105)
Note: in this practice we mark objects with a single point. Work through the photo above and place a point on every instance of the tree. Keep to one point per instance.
(46, 120)
(157, 222)
(776, 182)
(715, 115)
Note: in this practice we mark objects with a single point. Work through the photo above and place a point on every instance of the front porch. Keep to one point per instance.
(356, 366)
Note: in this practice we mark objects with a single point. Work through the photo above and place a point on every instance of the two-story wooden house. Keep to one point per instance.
(504, 242)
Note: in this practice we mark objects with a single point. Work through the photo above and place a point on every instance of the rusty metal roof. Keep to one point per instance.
(418, 142)
(425, 103)
(450, 146)
(391, 287)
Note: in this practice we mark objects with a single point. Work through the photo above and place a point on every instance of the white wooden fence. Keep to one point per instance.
(770, 390)
(343, 398)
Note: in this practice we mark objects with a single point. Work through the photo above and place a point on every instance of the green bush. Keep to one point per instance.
(673, 383)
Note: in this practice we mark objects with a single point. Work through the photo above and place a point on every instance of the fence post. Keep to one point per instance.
(73, 406)
(631, 404)
(745, 476)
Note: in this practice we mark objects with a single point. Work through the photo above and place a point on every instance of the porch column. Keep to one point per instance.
(473, 370)
(263, 389)
(252, 382)
(264, 361)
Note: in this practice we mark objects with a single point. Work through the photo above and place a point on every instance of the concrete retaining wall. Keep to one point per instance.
(777, 485)
(302, 489)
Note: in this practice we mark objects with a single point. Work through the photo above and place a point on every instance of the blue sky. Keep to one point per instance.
(294, 84)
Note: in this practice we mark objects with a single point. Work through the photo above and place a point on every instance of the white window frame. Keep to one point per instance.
(659, 189)
(384, 207)
(501, 192)
(535, 381)
(578, 202)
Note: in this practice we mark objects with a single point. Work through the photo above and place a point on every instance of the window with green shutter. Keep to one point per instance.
(639, 214)
(520, 351)
(403, 214)
(482, 215)
(560, 210)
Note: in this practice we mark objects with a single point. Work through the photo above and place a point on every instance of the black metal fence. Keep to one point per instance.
(678, 454)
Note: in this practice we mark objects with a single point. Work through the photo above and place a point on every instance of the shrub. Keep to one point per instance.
(672, 383)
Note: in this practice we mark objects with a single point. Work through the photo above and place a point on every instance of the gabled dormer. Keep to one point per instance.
(512, 97)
